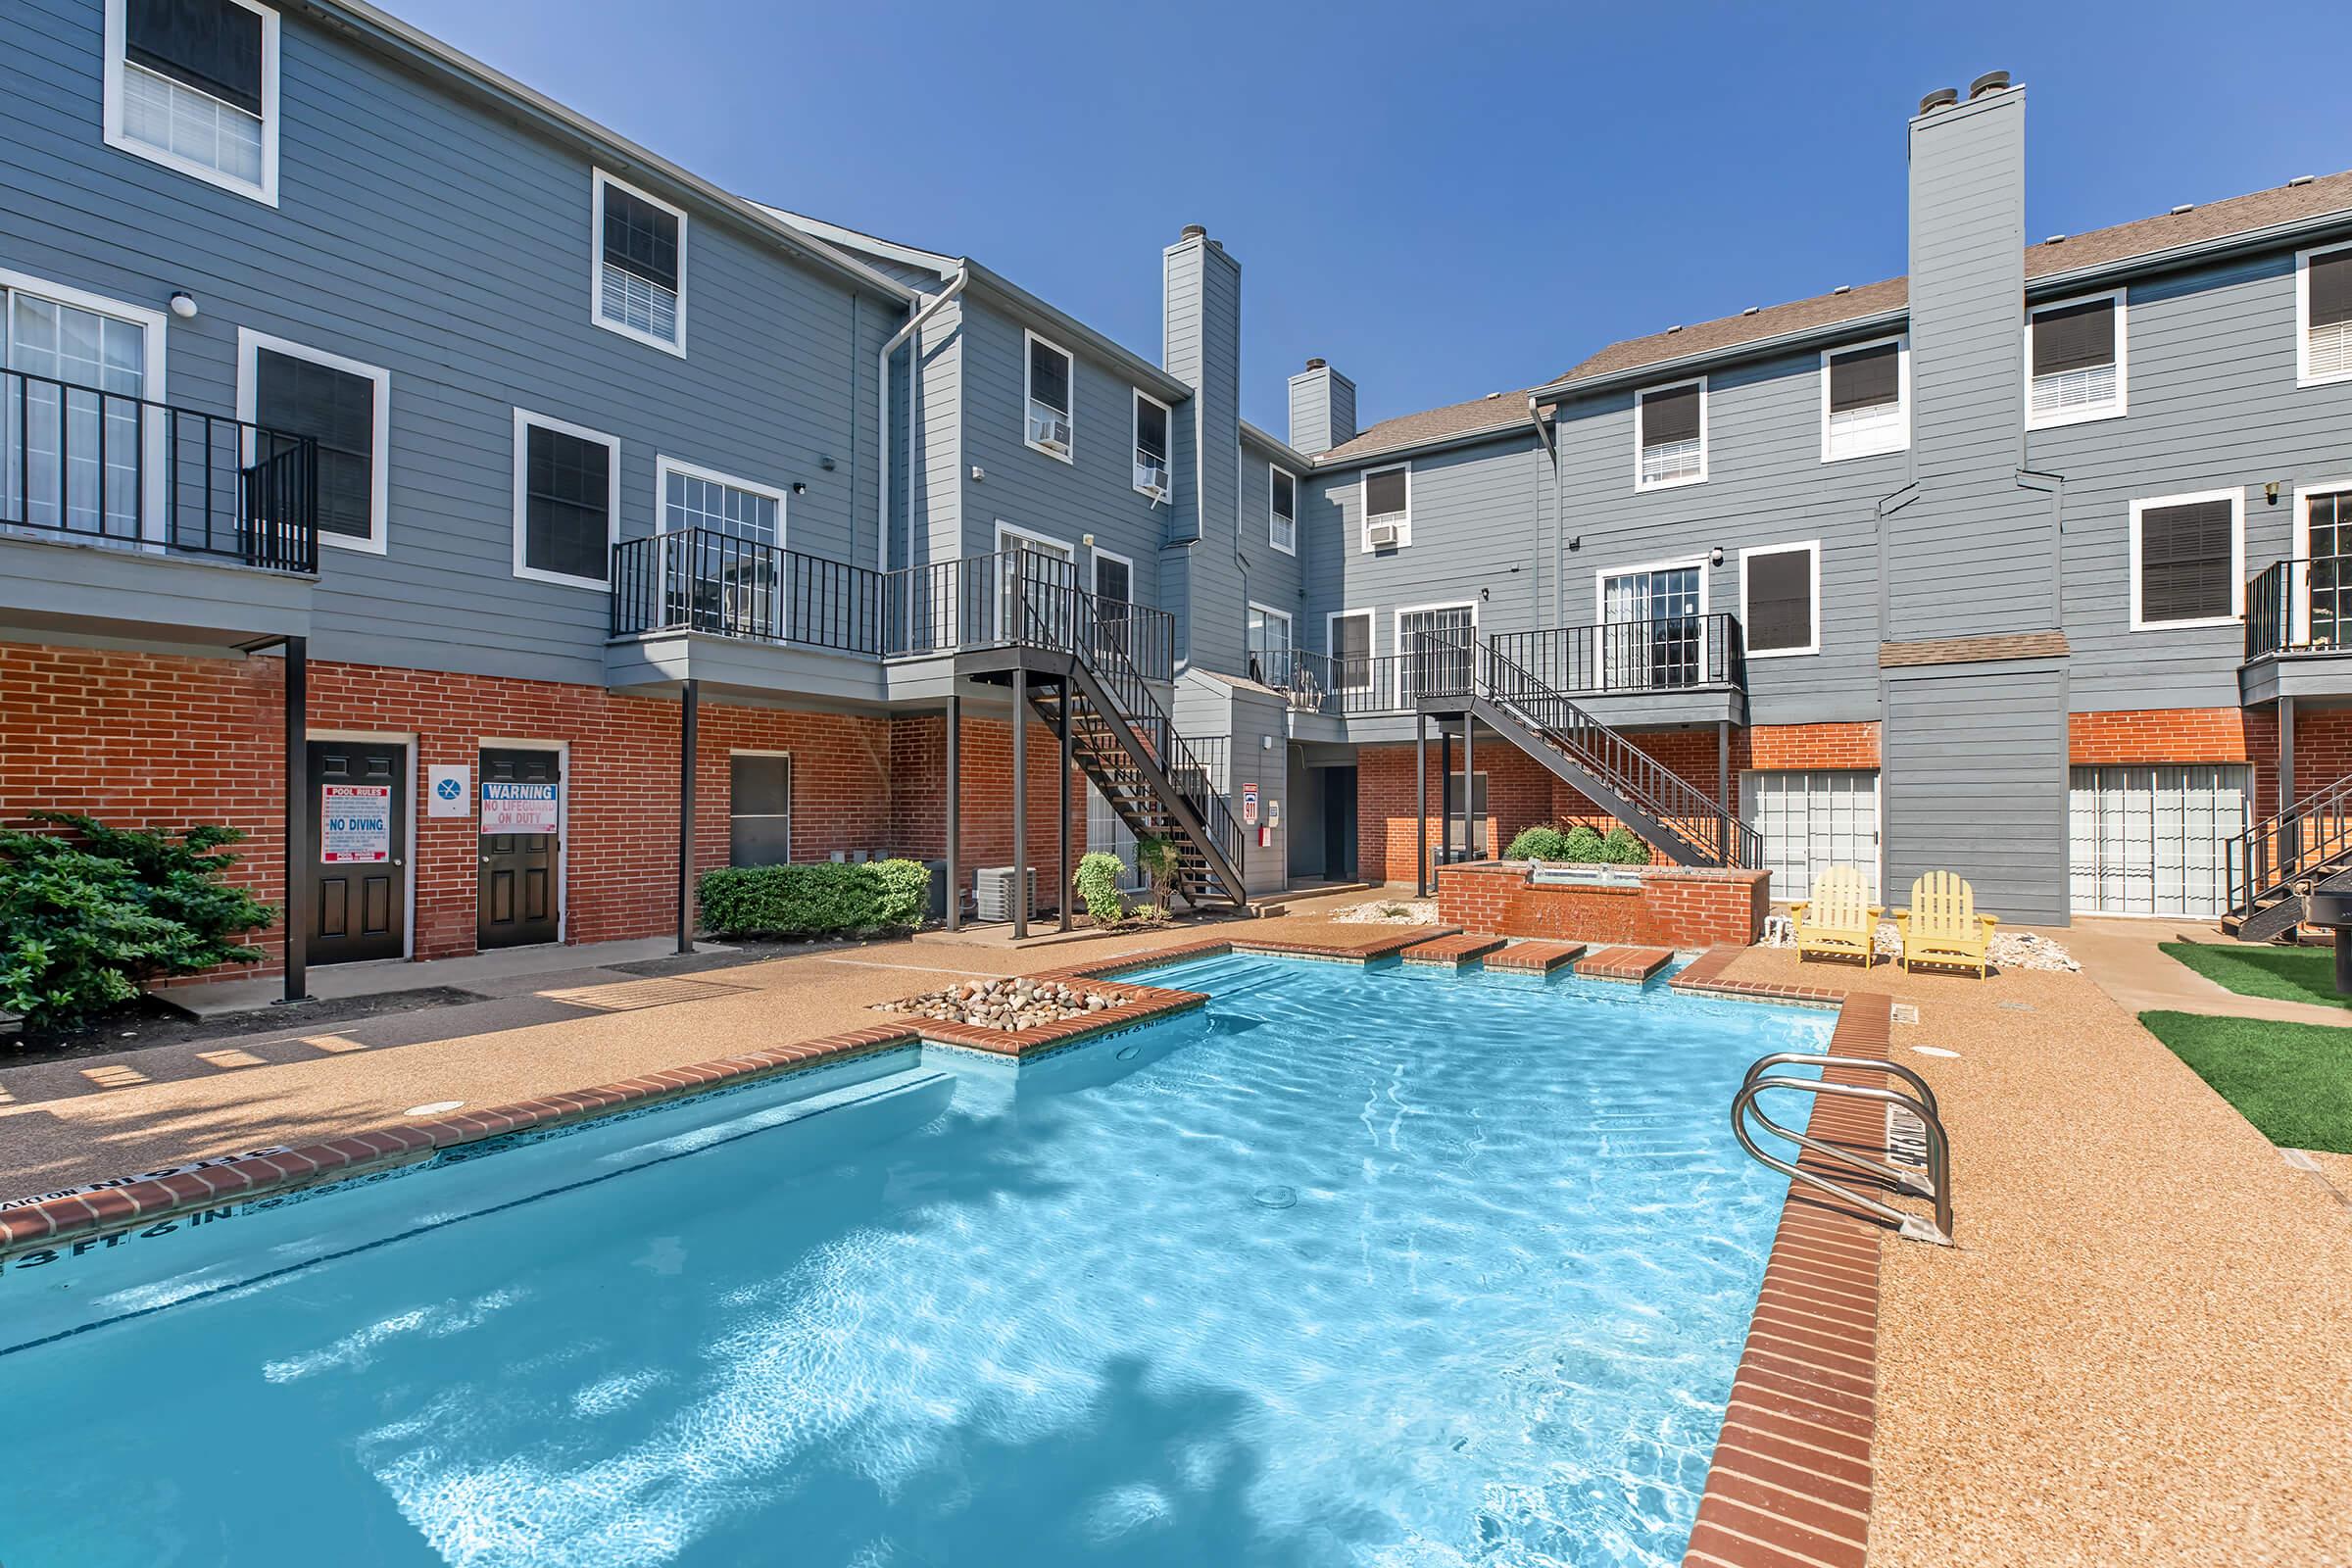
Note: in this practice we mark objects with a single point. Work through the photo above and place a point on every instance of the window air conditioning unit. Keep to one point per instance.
(1151, 476)
(992, 892)
(1381, 535)
(1049, 429)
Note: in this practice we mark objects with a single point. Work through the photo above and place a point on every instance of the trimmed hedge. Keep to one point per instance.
(1579, 845)
(816, 900)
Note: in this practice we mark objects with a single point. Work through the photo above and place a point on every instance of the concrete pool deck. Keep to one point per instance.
(2138, 1351)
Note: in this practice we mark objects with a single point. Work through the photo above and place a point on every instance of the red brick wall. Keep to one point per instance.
(163, 741)
(918, 806)
(1674, 907)
(2322, 744)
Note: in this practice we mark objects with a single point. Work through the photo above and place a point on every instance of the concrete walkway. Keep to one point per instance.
(494, 973)
(2121, 957)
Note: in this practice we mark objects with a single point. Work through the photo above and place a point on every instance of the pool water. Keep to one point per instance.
(1356, 1267)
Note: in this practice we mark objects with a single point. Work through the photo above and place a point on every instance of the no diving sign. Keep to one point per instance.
(354, 824)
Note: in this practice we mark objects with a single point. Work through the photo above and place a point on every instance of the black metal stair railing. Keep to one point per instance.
(1665, 796)
(1057, 615)
(2309, 838)
(700, 579)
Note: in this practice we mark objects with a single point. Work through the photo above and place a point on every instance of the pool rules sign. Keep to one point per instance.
(354, 824)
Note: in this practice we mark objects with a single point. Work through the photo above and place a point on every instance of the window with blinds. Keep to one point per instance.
(1282, 512)
(193, 84)
(2186, 552)
(1050, 375)
(2078, 362)
(1862, 402)
(2325, 291)
(640, 266)
(1671, 435)
(335, 405)
(1777, 599)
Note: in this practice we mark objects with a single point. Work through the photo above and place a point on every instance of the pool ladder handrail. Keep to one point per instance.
(1936, 1185)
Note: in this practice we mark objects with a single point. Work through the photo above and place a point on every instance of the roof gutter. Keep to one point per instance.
(1435, 443)
(914, 323)
(2177, 256)
(1804, 337)
(387, 34)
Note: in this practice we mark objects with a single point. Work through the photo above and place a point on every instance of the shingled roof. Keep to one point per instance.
(2147, 236)
(1496, 410)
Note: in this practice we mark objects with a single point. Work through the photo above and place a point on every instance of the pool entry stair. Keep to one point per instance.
(1681, 821)
(2270, 861)
(1834, 1161)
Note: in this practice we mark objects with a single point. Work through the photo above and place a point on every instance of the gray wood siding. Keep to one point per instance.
(1270, 576)
(418, 232)
(1766, 485)
(2212, 405)
(1203, 348)
(1095, 493)
(1972, 779)
(1476, 511)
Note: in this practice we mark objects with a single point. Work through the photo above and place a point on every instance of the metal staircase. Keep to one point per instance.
(2272, 859)
(1122, 739)
(1675, 817)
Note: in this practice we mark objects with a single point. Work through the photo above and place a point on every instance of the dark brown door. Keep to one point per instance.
(358, 850)
(520, 900)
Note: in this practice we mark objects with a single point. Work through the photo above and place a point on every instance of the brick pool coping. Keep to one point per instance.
(1789, 1483)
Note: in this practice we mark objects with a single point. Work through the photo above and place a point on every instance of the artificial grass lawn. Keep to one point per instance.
(2293, 1081)
(2282, 974)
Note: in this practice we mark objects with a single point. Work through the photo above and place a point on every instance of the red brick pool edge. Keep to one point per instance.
(1789, 1485)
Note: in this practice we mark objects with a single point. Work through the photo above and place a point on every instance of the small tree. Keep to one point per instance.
(85, 920)
(1097, 881)
(1156, 857)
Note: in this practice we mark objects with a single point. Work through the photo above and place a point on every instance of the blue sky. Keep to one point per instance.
(1443, 201)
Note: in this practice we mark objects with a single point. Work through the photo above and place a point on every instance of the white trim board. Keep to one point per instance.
(2237, 558)
(1811, 547)
(596, 265)
(111, 116)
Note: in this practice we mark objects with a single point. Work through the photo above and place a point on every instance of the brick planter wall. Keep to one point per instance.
(1675, 906)
(166, 741)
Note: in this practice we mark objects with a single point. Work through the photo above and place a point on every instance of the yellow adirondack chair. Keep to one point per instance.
(1942, 925)
(1840, 917)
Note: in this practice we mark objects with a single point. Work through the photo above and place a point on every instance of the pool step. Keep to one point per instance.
(1535, 958)
(1630, 965)
(1451, 952)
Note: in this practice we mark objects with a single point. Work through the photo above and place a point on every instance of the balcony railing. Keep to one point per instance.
(702, 581)
(1681, 653)
(2300, 607)
(77, 463)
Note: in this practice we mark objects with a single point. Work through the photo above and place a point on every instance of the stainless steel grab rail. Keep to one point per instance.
(1935, 1186)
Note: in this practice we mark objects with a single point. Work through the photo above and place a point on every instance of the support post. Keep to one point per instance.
(1723, 784)
(2291, 832)
(1420, 806)
(1472, 822)
(297, 915)
(1020, 802)
(954, 810)
(1062, 818)
(690, 718)
(1444, 799)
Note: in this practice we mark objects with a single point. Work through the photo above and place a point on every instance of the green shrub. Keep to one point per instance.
(1096, 880)
(1622, 848)
(1155, 857)
(818, 899)
(1537, 844)
(84, 921)
(1583, 846)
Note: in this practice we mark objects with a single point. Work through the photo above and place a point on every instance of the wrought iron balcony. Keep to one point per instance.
(703, 580)
(108, 468)
(1640, 657)
(2302, 606)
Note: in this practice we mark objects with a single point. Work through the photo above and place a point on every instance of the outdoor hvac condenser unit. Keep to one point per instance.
(994, 892)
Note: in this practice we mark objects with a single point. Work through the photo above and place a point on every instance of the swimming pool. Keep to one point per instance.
(1356, 1267)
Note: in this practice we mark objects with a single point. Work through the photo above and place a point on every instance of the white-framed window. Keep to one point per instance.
(639, 267)
(1670, 436)
(1282, 509)
(2188, 560)
(567, 501)
(1865, 399)
(1780, 598)
(1152, 424)
(1347, 633)
(1050, 388)
(1269, 644)
(1036, 574)
(50, 443)
(1812, 820)
(690, 497)
(1114, 577)
(1437, 646)
(1653, 627)
(2153, 839)
(2324, 316)
(758, 807)
(343, 404)
(2077, 355)
(1385, 499)
(2319, 608)
(725, 570)
(192, 84)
